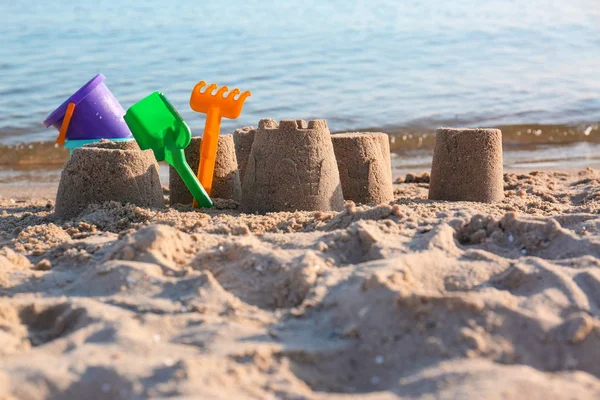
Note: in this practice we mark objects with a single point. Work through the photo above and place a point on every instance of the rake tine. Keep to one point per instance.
(199, 86)
(244, 95)
(210, 88)
(233, 93)
(222, 91)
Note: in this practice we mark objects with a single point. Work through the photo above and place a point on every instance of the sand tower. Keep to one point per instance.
(106, 171)
(292, 167)
(467, 165)
(243, 139)
(226, 178)
(365, 166)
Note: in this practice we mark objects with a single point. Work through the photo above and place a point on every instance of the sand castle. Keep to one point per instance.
(365, 166)
(467, 165)
(286, 167)
(243, 139)
(226, 179)
(292, 167)
(106, 171)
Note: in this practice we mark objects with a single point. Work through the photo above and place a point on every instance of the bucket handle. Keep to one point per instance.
(65, 125)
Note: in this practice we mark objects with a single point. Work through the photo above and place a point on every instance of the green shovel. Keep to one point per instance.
(156, 125)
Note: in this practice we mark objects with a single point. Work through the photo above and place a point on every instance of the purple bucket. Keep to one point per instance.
(97, 114)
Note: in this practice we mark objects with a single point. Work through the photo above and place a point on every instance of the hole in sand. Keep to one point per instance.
(45, 324)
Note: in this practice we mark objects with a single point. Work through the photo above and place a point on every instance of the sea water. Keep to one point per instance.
(406, 67)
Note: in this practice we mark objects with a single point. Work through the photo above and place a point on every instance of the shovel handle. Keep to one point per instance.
(62, 135)
(186, 174)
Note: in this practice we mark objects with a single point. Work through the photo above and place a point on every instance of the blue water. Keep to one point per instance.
(399, 66)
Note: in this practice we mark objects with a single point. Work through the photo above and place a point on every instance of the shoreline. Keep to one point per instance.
(412, 141)
(25, 189)
(27, 180)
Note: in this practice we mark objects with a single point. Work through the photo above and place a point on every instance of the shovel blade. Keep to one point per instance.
(150, 119)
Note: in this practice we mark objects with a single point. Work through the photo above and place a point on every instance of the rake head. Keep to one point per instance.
(228, 106)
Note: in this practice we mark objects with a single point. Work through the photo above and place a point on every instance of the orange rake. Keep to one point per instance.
(215, 106)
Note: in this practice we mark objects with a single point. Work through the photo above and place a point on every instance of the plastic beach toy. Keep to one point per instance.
(215, 107)
(92, 113)
(156, 125)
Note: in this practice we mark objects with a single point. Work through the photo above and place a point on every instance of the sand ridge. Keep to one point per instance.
(411, 299)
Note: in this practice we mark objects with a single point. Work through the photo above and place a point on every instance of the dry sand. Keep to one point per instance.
(415, 299)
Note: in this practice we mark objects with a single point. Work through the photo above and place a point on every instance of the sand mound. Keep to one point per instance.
(414, 299)
(106, 171)
(254, 272)
(387, 319)
(155, 244)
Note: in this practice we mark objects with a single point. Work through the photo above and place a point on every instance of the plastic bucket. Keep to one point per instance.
(97, 114)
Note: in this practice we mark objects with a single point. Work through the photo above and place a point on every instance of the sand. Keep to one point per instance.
(467, 165)
(415, 299)
(291, 167)
(243, 139)
(105, 171)
(365, 167)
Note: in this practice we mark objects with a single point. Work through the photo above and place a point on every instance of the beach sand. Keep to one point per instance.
(412, 299)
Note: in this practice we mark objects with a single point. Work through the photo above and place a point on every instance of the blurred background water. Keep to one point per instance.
(530, 67)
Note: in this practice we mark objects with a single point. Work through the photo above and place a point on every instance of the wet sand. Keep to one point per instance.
(412, 299)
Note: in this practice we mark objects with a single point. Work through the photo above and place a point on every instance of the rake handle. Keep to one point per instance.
(208, 149)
